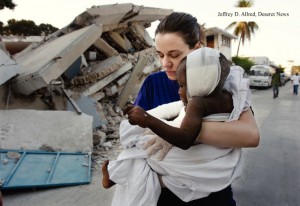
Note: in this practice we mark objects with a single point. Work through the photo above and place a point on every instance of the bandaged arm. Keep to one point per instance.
(166, 111)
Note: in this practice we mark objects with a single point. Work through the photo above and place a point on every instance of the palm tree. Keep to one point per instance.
(243, 29)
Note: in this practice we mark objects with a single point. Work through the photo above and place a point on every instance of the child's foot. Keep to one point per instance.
(106, 182)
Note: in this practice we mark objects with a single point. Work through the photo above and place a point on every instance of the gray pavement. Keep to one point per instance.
(271, 174)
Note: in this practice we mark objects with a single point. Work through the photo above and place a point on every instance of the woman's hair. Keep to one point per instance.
(183, 24)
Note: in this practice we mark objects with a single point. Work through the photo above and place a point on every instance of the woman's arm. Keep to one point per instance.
(241, 133)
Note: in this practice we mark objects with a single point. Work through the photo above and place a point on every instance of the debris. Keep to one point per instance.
(13, 155)
(72, 101)
(94, 66)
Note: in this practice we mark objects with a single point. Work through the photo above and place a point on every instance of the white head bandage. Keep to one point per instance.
(203, 71)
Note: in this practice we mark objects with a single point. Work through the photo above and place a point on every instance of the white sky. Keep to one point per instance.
(277, 37)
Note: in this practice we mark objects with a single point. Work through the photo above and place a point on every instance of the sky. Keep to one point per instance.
(278, 37)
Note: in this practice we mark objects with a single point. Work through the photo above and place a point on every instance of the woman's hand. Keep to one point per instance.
(158, 147)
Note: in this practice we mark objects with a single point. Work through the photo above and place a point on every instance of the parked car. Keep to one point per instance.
(261, 76)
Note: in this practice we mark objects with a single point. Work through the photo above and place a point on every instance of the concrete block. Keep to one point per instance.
(31, 129)
(8, 67)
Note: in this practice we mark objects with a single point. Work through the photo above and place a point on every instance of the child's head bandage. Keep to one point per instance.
(203, 71)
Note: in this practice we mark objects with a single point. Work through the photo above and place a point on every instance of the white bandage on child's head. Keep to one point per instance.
(203, 71)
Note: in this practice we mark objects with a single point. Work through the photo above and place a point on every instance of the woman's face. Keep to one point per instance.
(171, 49)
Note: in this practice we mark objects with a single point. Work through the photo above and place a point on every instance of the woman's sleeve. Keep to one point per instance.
(143, 98)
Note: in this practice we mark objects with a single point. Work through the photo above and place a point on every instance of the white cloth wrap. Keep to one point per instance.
(190, 174)
(203, 71)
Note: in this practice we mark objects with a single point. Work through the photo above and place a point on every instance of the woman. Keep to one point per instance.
(176, 36)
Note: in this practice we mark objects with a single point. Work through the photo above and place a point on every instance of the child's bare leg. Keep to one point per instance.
(106, 182)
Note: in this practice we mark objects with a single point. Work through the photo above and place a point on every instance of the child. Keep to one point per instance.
(206, 62)
(184, 172)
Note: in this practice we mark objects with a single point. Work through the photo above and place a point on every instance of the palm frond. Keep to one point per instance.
(231, 25)
(244, 3)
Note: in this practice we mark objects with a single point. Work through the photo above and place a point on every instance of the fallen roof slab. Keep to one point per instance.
(121, 13)
(46, 63)
(34, 129)
(88, 106)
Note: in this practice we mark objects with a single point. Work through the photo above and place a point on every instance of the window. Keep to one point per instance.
(225, 41)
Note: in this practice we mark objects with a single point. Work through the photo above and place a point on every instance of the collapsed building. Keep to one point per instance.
(102, 55)
(66, 92)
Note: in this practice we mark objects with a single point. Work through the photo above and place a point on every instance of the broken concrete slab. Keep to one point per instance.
(105, 81)
(142, 34)
(100, 70)
(87, 106)
(118, 15)
(135, 74)
(8, 67)
(33, 129)
(47, 62)
(106, 48)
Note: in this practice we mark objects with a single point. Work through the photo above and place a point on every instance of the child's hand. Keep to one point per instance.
(136, 115)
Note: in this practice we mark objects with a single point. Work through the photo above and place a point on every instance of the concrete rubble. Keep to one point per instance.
(66, 92)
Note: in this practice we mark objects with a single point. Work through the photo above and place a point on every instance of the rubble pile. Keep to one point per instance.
(95, 65)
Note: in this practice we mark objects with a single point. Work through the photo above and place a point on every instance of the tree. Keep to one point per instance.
(46, 29)
(243, 29)
(22, 27)
(281, 68)
(8, 4)
(26, 28)
(244, 62)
